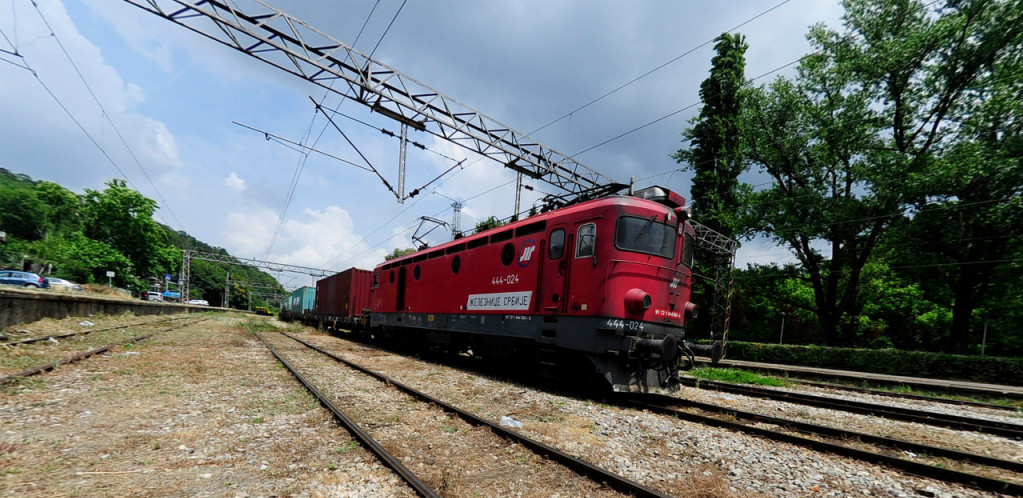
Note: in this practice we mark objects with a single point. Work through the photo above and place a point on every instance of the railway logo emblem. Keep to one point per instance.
(526, 253)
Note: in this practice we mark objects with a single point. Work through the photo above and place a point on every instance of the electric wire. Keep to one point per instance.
(690, 106)
(300, 164)
(80, 126)
(298, 171)
(106, 115)
(658, 68)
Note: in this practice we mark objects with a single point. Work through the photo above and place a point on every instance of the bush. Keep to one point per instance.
(886, 361)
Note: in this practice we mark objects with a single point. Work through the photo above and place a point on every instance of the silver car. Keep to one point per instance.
(64, 285)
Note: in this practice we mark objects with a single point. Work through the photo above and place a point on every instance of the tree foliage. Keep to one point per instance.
(487, 224)
(123, 219)
(875, 124)
(81, 237)
(397, 253)
(714, 154)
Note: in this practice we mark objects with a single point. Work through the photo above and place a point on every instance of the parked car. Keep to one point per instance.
(153, 296)
(61, 284)
(198, 302)
(23, 279)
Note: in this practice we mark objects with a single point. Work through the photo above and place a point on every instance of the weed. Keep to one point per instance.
(348, 447)
(737, 376)
(450, 429)
(257, 420)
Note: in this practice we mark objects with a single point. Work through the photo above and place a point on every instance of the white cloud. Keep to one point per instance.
(159, 143)
(316, 239)
(235, 183)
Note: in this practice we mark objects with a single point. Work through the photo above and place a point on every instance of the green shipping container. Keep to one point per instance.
(302, 301)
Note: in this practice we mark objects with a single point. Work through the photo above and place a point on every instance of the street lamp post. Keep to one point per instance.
(983, 338)
(781, 335)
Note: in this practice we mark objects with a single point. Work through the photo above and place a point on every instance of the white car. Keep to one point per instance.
(198, 302)
(63, 285)
(154, 296)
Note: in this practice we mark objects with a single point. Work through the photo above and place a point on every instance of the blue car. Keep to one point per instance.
(23, 279)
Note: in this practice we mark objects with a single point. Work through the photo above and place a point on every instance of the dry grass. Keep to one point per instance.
(200, 410)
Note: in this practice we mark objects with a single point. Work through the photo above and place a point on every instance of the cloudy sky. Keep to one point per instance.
(100, 89)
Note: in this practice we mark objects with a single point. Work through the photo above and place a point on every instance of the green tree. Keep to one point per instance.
(86, 260)
(22, 213)
(487, 224)
(714, 154)
(397, 253)
(715, 158)
(123, 219)
(63, 206)
(849, 142)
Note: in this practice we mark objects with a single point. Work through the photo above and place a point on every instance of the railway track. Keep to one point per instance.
(902, 395)
(751, 423)
(599, 478)
(85, 332)
(1004, 429)
(944, 464)
(814, 374)
(8, 379)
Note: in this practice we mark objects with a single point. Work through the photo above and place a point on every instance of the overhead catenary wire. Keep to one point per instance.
(301, 164)
(658, 68)
(106, 116)
(603, 96)
(690, 106)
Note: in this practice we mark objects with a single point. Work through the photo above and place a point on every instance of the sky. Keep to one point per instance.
(92, 90)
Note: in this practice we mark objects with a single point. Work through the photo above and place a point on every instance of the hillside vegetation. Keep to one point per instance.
(80, 237)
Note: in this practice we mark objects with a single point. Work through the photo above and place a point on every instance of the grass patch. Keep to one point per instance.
(737, 376)
(255, 326)
(348, 447)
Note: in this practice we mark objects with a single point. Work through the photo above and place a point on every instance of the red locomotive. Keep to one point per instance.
(607, 279)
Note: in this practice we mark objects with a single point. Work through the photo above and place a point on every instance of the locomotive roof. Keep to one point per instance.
(658, 195)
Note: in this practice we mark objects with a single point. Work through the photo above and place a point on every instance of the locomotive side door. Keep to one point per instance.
(554, 271)
(581, 262)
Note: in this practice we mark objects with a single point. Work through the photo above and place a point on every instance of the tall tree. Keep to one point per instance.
(850, 141)
(715, 159)
(965, 233)
(713, 155)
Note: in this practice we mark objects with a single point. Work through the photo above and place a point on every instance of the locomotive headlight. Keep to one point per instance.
(691, 311)
(637, 300)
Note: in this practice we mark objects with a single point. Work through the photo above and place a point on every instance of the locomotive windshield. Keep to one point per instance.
(645, 235)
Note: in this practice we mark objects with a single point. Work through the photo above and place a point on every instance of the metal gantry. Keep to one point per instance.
(188, 255)
(290, 44)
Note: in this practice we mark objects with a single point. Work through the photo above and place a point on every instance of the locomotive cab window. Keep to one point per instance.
(557, 247)
(586, 241)
(646, 235)
(687, 250)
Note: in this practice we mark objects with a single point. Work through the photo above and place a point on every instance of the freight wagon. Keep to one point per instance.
(298, 304)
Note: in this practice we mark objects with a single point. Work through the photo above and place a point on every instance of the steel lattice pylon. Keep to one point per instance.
(721, 274)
